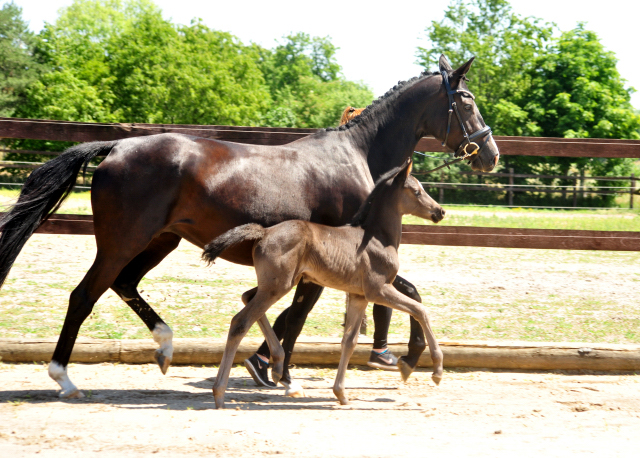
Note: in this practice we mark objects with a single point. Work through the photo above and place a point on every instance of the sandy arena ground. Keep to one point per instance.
(135, 411)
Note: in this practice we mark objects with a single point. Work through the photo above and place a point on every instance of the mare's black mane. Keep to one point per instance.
(383, 100)
(363, 212)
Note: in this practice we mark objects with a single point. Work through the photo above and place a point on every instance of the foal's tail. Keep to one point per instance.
(42, 194)
(230, 238)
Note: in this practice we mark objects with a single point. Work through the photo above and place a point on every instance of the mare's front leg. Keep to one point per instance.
(417, 344)
(356, 307)
(240, 325)
(389, 296)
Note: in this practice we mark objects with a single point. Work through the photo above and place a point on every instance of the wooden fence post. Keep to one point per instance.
(632, 189)
(510, 192)
(441, 196)
(575, 191)
(582, 186)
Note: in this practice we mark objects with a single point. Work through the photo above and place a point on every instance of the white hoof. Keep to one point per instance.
(293, 390)
(163, 336)
(59, 374)
(77, 394)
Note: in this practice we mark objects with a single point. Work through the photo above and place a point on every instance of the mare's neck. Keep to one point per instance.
(391, 131)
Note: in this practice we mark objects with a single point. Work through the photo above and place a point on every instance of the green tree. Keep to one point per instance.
(530, 79)
(18, 67)
(305, 83)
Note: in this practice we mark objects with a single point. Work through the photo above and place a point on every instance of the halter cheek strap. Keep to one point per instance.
(468, 139)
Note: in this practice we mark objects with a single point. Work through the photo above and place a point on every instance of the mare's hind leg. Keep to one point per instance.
(240, 325)
(417, 343)
(100, 276)
(356, 307)
(126, 286)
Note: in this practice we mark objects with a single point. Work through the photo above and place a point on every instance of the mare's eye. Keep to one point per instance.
(468, 107)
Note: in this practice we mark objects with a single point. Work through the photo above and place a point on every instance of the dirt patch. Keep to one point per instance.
(136, 411)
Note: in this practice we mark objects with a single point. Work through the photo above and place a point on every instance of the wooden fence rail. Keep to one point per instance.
(444, 235)
(428, 235)
(38, 129)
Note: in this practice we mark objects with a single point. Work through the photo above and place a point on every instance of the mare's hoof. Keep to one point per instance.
(162, 361)
(75, 394)
(436, 379)
(405, 369)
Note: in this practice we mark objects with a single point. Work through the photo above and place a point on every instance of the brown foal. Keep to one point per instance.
(360, 259)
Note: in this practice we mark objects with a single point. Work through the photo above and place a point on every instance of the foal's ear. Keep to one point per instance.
(461, 72)
(444, 64)
(409, 168)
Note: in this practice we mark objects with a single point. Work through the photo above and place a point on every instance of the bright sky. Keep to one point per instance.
(378, 40)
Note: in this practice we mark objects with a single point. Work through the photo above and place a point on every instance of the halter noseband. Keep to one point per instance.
(468, 139)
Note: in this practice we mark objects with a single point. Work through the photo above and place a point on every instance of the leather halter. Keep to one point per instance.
(468, 139)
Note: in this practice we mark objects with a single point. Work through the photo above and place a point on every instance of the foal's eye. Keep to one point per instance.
(468, 107)
(417, 192)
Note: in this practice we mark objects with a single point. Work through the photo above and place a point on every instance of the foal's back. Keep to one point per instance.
(328, 256)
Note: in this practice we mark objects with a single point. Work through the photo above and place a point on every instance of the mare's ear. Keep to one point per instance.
(460, 72)
(444, 64)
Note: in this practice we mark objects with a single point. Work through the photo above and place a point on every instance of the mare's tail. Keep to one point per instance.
(42, 194)
(230, 238)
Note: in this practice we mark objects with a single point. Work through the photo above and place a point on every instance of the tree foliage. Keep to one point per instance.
(531, 79)
(18, 67)
(121, 61)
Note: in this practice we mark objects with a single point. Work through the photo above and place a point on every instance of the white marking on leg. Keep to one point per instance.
(163, 336)
(293, 389)
(125, 298)
(59, 374)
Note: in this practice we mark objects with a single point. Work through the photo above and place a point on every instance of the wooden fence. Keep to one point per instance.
(427, 235)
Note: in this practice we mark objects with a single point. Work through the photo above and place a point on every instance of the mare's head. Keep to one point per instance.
(397, 192)
(458, 122)
(349, 113)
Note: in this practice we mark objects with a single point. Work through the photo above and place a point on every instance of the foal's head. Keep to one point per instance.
(414, 200)
(397, 191)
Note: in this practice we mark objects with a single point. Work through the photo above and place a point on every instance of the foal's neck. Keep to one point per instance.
(384, 221)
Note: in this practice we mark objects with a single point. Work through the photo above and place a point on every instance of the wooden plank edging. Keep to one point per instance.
(312, 351)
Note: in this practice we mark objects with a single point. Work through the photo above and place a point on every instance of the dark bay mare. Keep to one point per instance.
(150, 192)
(360, 259)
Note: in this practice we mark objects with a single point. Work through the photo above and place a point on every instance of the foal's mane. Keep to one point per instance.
(383, 101)
(363, 212)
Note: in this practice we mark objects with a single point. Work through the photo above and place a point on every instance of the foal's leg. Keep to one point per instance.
(356, 308)
(390, 297)
(126, 286)
(272, 340)
(240, 325)
(306, 296)
(417, 344)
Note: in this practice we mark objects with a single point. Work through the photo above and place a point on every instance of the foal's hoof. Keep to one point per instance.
(293, 390)
(405, 369)
(436, 379)
(276, 375)
(163, 361)
(219, 399)
(74, 394)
